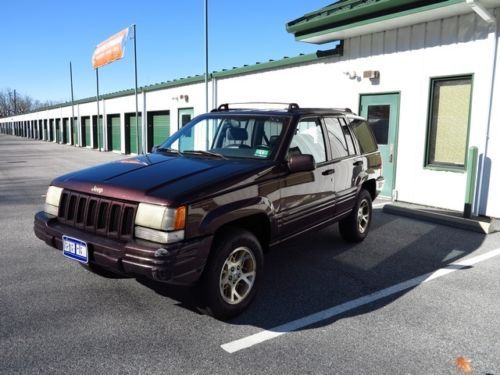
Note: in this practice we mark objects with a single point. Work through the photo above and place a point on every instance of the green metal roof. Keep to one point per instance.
(349, 12)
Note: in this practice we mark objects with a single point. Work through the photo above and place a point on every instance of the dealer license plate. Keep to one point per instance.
(75, 249)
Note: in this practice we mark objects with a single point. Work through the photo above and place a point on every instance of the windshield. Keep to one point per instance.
(229, 136)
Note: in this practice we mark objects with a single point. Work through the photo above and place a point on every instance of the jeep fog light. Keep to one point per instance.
(158, 236)
(52, 200)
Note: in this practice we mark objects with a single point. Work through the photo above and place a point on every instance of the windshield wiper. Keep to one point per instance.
(206, 153)
(168, 150)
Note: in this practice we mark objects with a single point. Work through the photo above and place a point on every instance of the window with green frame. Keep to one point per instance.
(448, 125)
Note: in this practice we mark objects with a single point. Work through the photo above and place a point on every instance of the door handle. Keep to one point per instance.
(358, 163)
(328, 172)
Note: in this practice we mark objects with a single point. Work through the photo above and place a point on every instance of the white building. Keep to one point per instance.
(423, 72)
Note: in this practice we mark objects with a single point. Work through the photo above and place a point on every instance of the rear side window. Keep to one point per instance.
(364, 136)
(336, 137)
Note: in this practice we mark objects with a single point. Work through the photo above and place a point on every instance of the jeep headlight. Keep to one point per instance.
(52, 200)
(159, 223)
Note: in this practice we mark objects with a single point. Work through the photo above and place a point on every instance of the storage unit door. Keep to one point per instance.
(75, 132)
(100, 139)
(115, 133)
(133, 134)
(161, 128)
(88, 138)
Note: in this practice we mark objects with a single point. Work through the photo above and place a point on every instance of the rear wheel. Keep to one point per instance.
(231, 277)
(354, 228)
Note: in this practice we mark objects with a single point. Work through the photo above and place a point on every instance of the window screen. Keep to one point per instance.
(449, 121)
(378, 119)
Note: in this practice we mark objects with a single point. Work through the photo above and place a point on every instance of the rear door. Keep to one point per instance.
(346, 164)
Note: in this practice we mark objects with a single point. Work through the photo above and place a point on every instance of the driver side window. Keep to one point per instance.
(308, 139)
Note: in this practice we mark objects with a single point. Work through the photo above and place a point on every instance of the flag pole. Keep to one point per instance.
(206, 56)
(97, 121)
(72, 102)
(136, 99)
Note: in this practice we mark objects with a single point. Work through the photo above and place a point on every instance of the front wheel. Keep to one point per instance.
(231, 277)
(354, 228)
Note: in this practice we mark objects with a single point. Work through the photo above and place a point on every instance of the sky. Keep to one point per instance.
(40, 38)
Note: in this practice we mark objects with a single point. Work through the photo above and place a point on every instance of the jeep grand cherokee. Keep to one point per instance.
(204, 206)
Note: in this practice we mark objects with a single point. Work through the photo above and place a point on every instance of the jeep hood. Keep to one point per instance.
(162, 179)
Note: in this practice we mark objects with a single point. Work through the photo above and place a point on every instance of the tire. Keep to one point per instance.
(354, 228)
(231, 277)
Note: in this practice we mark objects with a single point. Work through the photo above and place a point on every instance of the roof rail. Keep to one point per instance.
(225, 106)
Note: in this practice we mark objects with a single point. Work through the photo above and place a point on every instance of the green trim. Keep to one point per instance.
(342, 11)
(304, 36)
(444, 166)
(470, 188)
(271, 64)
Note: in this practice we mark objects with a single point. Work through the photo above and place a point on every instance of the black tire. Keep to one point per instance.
(220, 278)
(355, 227)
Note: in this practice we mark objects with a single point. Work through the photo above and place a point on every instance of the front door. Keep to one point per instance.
(307, 198)
(382, 113)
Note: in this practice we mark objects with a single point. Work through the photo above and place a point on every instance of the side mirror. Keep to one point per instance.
(301, 163)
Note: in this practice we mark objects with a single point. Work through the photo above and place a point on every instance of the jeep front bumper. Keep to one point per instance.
(178, 263)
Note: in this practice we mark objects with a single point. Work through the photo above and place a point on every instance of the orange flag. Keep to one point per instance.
(110, 50)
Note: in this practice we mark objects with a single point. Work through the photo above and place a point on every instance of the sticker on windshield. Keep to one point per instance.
(261, 153)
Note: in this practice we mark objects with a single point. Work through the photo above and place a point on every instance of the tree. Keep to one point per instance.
(12, 103)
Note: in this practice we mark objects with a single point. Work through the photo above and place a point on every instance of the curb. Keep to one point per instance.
(479, 226)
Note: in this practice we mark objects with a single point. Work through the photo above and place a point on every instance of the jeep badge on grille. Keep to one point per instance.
(97, 190)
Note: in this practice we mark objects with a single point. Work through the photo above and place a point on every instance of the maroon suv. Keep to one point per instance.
(205, 205)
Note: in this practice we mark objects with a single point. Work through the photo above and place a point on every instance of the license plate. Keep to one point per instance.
(75, 249)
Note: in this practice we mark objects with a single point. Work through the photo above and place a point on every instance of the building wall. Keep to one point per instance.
(407, 59)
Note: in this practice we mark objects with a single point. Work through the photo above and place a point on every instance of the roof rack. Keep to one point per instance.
(225, 106)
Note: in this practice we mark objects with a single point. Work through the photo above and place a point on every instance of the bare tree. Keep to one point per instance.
(12, 103)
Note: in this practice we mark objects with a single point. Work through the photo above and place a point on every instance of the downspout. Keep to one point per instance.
(489, 18)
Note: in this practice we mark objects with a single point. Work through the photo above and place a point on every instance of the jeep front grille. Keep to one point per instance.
(111, 218)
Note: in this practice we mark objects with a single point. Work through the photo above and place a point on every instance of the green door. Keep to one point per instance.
(134, 129)
(382, 113)
(115, 133)
(64, 131)
(88, 133)
(185, 115)
(75, 132)
(161, 128)
(98, 133)
(58, 131)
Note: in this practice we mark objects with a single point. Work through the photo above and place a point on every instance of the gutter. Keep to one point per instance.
(489, 18)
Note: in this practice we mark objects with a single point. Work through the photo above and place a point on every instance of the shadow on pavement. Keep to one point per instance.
(319, 270)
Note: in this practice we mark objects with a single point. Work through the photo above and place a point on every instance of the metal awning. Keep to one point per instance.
(349, 18)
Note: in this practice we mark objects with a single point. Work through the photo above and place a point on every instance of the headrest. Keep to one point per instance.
(273, 139)
(237, 134)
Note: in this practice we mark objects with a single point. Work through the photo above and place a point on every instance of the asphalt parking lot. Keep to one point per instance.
(325, 306)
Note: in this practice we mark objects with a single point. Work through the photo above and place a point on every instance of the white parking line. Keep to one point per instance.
(295, 325)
